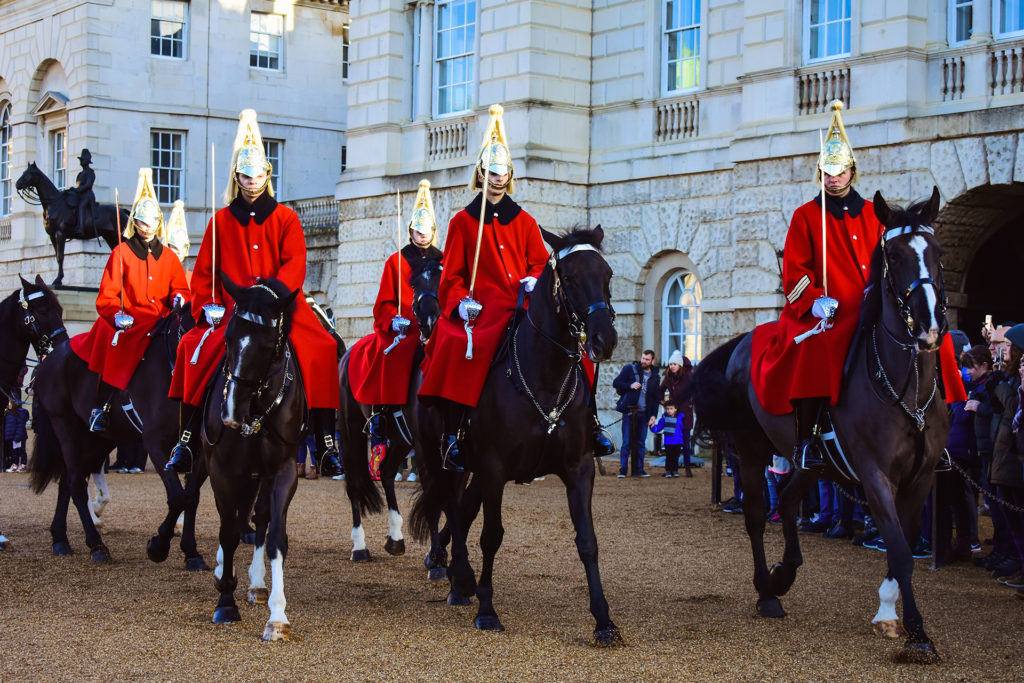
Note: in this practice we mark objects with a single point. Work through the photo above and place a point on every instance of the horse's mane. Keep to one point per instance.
(424, 265)
(255, 299)
(581, 235)
(9, 368)
(170, 322)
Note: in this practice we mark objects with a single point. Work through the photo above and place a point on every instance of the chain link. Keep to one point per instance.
(559, 407)
(985, 494)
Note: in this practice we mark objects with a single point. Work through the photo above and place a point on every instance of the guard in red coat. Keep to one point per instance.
(150, 280)
(256, 238)
(380, 365)
(511, 251)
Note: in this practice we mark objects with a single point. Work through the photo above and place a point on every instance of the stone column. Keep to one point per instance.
(981, 21)
(425, 72)
(938, 26)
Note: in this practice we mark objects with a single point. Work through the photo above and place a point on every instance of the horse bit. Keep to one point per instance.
(41, 342)
(917, 414)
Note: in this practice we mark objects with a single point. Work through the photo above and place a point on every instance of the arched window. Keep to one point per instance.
(681, 316)
(5, 159)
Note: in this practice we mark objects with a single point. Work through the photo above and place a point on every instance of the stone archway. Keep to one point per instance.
(980, 231)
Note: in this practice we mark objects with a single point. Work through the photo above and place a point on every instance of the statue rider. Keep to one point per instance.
(84, 197)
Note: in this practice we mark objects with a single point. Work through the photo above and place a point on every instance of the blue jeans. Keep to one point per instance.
(635, 440)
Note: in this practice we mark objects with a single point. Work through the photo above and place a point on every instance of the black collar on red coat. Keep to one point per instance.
(141, 248)
(506, 210)
(413, 254)
(259, 210)
(852, 204)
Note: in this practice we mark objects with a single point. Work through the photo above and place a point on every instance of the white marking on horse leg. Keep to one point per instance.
(888, 594)
(102, 492)
(395, 525)
(358, 538)
(931, 334)
(258, 568)
(179, 526)
(277, 601)
(218, 571)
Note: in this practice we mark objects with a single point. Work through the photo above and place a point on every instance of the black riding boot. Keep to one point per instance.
(603, 445)
(99, 418)
(807, 454)
(322, 422)
(944, 465)
(375, 427)
(181, 453)
(451, 442)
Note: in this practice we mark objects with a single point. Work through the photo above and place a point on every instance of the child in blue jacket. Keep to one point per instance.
(670, 425)
(15, 435)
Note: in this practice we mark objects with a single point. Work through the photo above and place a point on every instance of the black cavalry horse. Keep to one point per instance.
(30, 316)
(66, 451)
(890, 418)
(253, 420)
(532, 419)
(60, 217)
(426, 276)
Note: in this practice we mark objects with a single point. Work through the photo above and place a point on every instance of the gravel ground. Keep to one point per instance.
(676, 573)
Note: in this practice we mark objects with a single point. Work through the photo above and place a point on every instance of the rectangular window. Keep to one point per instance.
(344, 158)
(961, 18)
(59, 160)
(167, 28)
(680, 45)
(265, 33)
(454, 47)
(344, 50)
(827, 29)
(5, 160)
(1009, 19)
(167, 158)
(273, 150)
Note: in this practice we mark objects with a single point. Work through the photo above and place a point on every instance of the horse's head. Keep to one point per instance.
(254, 342)
(33, 182)
(911, 270)
(582, 286)
(426, 278)
(42, 321)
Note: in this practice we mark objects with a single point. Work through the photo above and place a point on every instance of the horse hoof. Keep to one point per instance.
(196, 564)
(488, 623)
(102, 529)
(771, 609)
(259, 596)
(156, 550)
(918, 653)
(360, 555)
(782, 578)
(277, 631)
(889, 628)
(100, 554)
(62, 548)
(394, 547)
(607, 637)
(456, 599)
(178, 529)
(226, 615)
(437, 573)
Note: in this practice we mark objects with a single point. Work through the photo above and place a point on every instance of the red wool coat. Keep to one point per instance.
(151, 279)
(375, 378)
(512, 248)
(782, 370)
(269, 243)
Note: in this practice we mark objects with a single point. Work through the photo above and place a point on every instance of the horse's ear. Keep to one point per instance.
(286, 302)
(882, 211)
(24, 282)
(599, 232)
(931, 210)
(551, 238)
(229, 284)
(39, 281)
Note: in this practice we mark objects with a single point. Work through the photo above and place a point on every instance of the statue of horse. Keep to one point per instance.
(426, 277)
(890, 419)
(60, 216)
(253, 420)
(533, 418)
(66, 451)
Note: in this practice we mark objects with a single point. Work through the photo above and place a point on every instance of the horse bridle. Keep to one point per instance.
(902, 300)
(41, 342)
(577, 322)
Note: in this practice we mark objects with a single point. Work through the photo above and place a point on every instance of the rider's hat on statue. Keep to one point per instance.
(248, 156)
(423, 220)
(836, 153)
(494, 152)
(177, 231)
(86, 156)
(145, 207)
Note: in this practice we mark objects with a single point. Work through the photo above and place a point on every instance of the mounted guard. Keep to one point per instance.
(252, 238)
(177, 234)
(142, 283)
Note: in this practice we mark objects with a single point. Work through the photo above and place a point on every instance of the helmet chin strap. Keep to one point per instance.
(254, 193)
(838, 191)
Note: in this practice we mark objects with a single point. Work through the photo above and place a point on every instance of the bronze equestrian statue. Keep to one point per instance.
(72, 213)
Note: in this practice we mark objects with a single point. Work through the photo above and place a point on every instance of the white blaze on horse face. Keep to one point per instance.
(277, 601)
(395, 525)
(258, 568)
(358, 538)
(931, 334)
(888, 594)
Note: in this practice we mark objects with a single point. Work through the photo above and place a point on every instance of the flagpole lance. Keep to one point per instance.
(214, 311)
(399, 323)
(122, 321)
(824, 249)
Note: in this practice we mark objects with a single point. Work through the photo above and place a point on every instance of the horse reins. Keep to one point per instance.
(41, 342)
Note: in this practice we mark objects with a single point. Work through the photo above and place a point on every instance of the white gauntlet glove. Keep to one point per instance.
(178, 301)
(530, 283)
(824, 307)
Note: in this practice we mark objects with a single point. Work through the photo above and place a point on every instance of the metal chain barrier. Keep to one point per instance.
(850, 496)
(984, 494)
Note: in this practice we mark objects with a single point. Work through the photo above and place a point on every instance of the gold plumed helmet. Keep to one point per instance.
(494, 152)
(422, 220)
(145, 207)
(248, 156)
(177, 231)
(836, 153)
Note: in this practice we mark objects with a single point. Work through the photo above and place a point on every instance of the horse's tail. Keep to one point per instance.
(720, 406)
(437, 487)
(362, 491)
(47, 461)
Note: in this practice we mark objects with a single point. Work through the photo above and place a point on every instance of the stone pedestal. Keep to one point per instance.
(79, 305)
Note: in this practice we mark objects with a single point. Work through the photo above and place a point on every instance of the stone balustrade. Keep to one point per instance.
(1006, 61)
(447, 139)
(815, 89)
(953, 70)
(677, 119)
(319, 213)
(5, 229)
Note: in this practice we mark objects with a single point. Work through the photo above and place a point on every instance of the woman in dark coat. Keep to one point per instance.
(675, 380)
